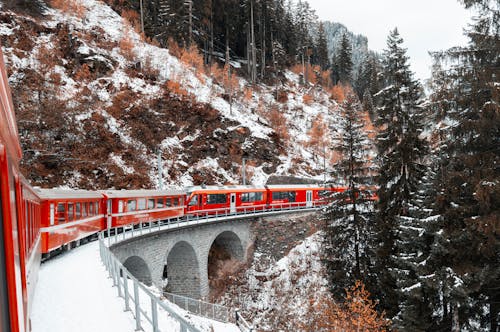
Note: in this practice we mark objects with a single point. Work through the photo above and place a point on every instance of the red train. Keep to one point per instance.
(19, 223)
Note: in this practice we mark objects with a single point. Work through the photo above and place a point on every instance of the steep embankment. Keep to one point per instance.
(283, 274)
(95, 102)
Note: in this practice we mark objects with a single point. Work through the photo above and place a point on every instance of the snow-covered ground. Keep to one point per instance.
(74, 293)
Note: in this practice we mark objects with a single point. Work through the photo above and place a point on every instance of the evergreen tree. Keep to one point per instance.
(400, 151)
(470, 196)
(343, 61)
(349, 215)
(31, 7)
(321, 50)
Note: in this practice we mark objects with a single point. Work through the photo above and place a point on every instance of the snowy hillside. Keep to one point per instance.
(95, 102)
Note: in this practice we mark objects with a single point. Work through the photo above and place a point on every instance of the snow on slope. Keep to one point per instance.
(74, 293)
(296, 159)
(277, 295)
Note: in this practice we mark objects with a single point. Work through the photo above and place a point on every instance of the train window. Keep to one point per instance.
(96, 209)
(175, 202)
(120, 206)
(78, 211)
(151, 203)
(84, 209)
(61, 213)
(141, 204)
(71, 216)
(284, 195)
(216, 198)
(131, 205)
(193, 201)
(159, 203)
(91, 209)
(251, 197)
(168, 202)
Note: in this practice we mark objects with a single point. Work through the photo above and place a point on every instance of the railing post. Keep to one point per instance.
(112, 269)
(125, 285)
(117, 271)
(154, 314)
(236, 314)
(137, 307)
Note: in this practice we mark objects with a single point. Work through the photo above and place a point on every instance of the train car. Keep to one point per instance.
(211, 200)
(296, 196)
(130, 207)
(68, 217)
(19, 231)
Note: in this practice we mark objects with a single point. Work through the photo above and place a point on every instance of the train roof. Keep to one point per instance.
(8, 126)
(226, 188)
(67, 194)
(295, 186)
(141, 193)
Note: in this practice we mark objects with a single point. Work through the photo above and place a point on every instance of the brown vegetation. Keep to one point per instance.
(357, 313)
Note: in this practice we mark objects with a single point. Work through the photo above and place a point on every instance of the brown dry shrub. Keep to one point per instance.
(279, 124)
(191, 57)
(83, 73)
(126, 46)
(248, 94)
(307, 99)
(339, 92)
(357, 313)
(174, 48)
(326, 79)
(230, 82)
(70, 7)
(174, 87)
(282, 96)
(297, 69)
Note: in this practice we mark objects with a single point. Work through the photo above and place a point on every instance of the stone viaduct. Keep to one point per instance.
(181, 256)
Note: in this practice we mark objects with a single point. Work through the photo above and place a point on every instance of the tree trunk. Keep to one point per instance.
(254, 51)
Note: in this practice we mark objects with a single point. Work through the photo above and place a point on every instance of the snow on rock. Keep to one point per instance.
(278, 296)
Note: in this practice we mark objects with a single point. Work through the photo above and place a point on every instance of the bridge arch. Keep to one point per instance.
(182, 271)
(139, 269)
(225, 255)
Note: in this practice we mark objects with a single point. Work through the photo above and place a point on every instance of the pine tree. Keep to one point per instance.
(400, 151)
(343, 61)
(470, 195)
(349, 215)
(321, 50)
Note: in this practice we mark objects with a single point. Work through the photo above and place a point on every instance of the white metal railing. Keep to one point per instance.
(121, 275)
(145, 304)
(200, 308)
(130, 231)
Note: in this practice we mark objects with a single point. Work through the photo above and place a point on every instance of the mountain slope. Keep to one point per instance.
(95, 102)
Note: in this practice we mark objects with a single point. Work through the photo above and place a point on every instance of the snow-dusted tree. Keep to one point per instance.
(342, 68)
(400, 157)
(469, 199)
(321, 49)
(350, 212)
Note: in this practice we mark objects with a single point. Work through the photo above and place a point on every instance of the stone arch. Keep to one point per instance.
(139, 269)
(224, 257)
(183, 271)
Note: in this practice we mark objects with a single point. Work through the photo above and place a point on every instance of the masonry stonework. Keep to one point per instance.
(185, 253)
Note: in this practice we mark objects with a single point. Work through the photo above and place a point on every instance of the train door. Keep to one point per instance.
(108, 213)
(4, 301)
(232, 208)
(309, 195)
(11, 238)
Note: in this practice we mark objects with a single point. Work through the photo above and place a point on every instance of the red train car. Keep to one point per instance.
(300, 195)
(68, 217)
(19, 229)
(202, 200)
(129, 207)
